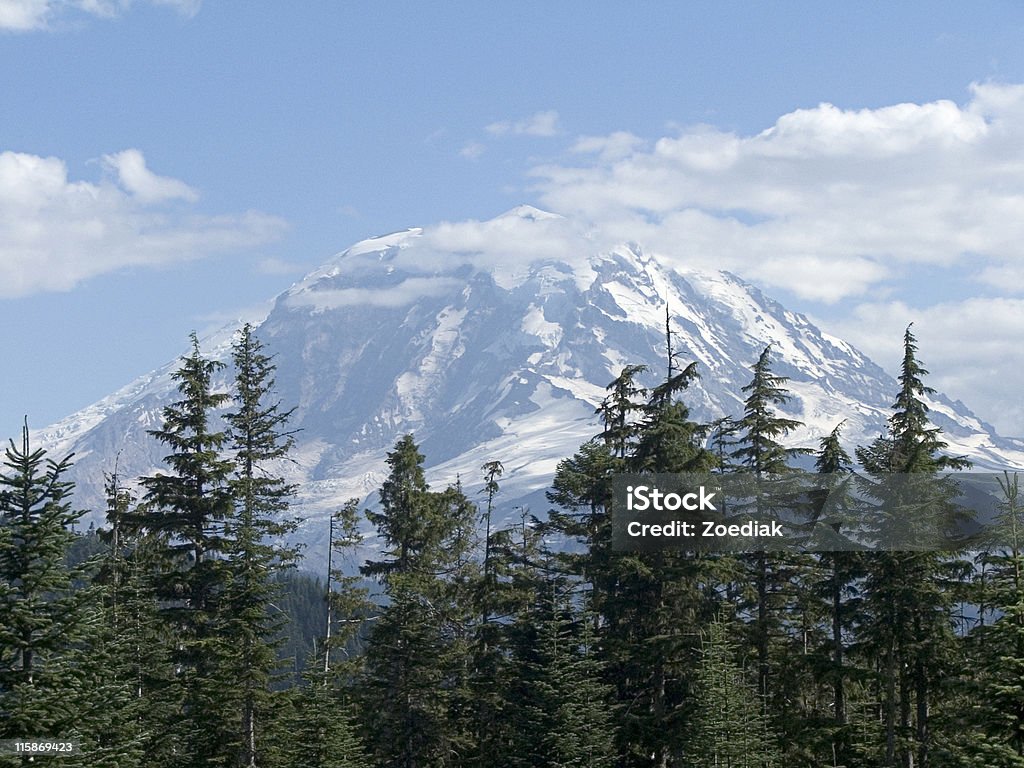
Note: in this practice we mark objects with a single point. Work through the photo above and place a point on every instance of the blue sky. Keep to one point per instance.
(168, 166)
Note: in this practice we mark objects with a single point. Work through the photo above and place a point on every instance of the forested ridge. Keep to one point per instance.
(169, 636)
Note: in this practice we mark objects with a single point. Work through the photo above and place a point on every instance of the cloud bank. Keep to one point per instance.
(56, 232)
(828, 203)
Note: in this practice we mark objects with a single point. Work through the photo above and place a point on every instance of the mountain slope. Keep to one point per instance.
(504, 361)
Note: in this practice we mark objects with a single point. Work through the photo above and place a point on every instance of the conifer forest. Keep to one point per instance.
(185, 632)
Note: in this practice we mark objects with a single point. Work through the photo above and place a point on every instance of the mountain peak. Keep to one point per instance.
(529, 213)
(486, 357)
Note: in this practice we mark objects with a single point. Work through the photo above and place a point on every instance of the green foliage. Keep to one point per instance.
(618, 408)
(730, 727)
(998, 670)
(910, 595)
(761, 427)
(561, 709)
(760, 452)
(43, 621)
(160, 640)
(250, 625)
(314, 727)
(416, 655)
(189, 510)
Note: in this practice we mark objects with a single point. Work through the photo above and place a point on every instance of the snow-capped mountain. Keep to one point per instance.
(503, 361)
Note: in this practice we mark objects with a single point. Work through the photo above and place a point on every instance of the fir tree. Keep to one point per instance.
(416, 655)
(760, 451)
(129, 656)
(315, 722)
(834, 582)
(658, 597)
(347, 602)
(257, 532)
(562, 707)
(730, 729)
(997, 691)
(910, 594)
(314, 726)
(483, 691)
(43, 620)
(646, 603)
(619, 407)
(190, 509)
(761, 454)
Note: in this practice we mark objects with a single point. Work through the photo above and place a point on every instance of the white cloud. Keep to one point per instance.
(398, 295)
(472, 151)
(23, 15)
(27, 15)
(55, 232)
(505, 246)
(142, 183)
(829, 203)
(538, 124)
(612, 147)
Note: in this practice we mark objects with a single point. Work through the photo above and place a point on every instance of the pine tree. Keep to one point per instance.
(129, 658)
(834, 581)
(190, 509)
(347, 602)
(618, 408)
(258, 530)
(647, 604)
(317, 727)
(561, 707)
(760, 451)
(483, 691)
(42, 619)
(417, 655)
(910, 593)
(659, 597)
(761, 454)
(997, 692)
(730, 729)
(315, 722)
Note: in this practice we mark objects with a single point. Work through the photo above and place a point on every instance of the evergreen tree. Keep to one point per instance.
(488, 665)
(761, 454)
(43, 620)
(648, 604)
(130, 656)
(315, 722)
(997, 693)
(190, 509)
(258, 530)
(347, 602)
(659, 598)
(417, 655)
(618, 408)
(910, 593)
(317, 728)
(730, 728)
(760, 451)
(561, 708)
(834, 584)
(492, 470)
